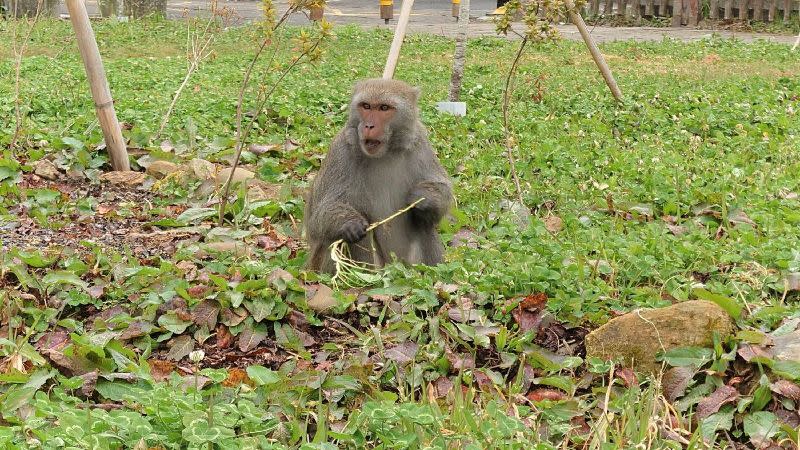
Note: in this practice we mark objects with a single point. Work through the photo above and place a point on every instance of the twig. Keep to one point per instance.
(506, 131)
(19, 51)
(196, 56)
(343, 263)
(241, 136)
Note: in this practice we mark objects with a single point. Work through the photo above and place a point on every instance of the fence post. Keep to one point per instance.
(742, 9)
(677, 13)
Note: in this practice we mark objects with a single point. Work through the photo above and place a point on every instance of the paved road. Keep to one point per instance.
(434, 17)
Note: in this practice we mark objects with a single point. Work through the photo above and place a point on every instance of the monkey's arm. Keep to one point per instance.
(433, 184)
(333, 220)
(437, 195)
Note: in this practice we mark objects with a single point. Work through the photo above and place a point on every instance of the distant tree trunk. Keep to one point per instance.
(142, 8)
(108, 8)
(27, 8)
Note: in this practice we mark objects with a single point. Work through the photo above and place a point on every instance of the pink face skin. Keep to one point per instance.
(373, 126)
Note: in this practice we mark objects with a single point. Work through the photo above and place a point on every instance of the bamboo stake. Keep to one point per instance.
(101, 94)
(596, 55)
(397, 42)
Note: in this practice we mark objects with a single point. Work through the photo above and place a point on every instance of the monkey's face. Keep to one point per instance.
(374, 127)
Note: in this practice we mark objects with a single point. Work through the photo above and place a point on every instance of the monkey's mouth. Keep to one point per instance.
(372, 145)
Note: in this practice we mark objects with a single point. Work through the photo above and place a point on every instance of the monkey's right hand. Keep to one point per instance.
(354, 230)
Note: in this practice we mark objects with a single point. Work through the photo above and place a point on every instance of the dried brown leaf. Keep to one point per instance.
(553, 224)
(527, 321)
(224, 337)
(251, 336)
(540, 394)
(89, 383)
(711, 404)
(181, 347)
(675, 382)
(627, 376)
(749, 351)
(233, 317)
(403, 353)
(160, 369)
(206, 313)
(786, 389)
(534, 302)
(442, 386)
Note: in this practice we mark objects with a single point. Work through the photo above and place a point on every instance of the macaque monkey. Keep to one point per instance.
(378, 164)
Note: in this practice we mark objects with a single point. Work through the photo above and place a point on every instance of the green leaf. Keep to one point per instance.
(263, 376)
(722, 420)
(167, 223)
(761, 425)
(787, 369)
(73, 143)
(171, 322)
(63, 277)
(36, 259)
(731, 306)
(199, 432)
(688, 356)
(16, 398)
(194, 215)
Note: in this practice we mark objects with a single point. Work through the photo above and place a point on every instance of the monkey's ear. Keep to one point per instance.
(415, 93)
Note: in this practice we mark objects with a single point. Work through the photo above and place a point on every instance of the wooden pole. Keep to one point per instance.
(103, 103)
(397, 42)
(596, 55)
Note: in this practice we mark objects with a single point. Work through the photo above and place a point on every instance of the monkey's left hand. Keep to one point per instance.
(424, 213)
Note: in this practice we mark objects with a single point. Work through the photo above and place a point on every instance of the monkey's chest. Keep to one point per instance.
(387, 194)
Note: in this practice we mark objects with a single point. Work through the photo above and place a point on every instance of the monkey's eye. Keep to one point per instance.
(385, 107)
(365, 105)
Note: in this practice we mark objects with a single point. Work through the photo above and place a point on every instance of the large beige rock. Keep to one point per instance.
(160, 169)
(637, 337)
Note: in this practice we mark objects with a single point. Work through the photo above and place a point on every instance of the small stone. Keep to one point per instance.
(792, 281)
(127, 178)
(787, 347)
(323, 299)
(259, 190)
(637, 337)
(239, 176)
(280, 274)
(237, 248)
(160, 169)
(520, 213)
(46, 169)
(202, 169)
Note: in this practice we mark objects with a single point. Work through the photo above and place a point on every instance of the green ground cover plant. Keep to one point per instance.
(128, 321)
